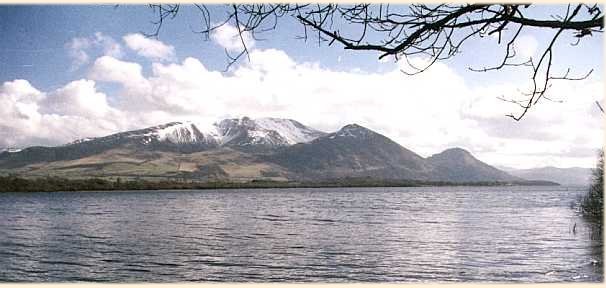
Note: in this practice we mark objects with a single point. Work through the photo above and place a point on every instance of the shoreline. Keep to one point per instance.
(57, 184)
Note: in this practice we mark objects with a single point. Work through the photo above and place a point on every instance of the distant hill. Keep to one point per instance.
(249, 149)
(565, 176)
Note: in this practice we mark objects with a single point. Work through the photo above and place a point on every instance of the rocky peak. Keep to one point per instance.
(353, 130)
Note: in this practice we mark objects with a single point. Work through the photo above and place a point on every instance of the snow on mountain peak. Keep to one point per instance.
(180, 133)
(353, 130)
(10, 150)
(235, 132)
(264, 131)
(187, 133)
(292, 131)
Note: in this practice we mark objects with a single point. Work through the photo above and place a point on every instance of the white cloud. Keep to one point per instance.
(149, 48)
(79, 98)
(27, 116)
(79, 48)
(109, 45)
(77, 51)
(20, 90)
(18, 111)
(228, 37)
(136, 88)
(426, 113)
(108, 68)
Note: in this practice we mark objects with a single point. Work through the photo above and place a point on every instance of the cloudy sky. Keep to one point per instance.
(71, 72)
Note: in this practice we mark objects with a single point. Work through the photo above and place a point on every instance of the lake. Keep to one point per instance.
(427, 234)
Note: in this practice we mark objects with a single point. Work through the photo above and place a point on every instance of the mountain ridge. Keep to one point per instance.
(244, 148)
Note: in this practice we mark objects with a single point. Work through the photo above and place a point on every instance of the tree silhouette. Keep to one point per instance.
(436, 32)
(593, 202)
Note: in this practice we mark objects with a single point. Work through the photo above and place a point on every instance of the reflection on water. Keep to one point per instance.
(502, 234)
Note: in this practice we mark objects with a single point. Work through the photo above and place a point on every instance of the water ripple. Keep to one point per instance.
(425, 234)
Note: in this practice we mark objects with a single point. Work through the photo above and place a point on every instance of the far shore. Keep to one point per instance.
(57, 184)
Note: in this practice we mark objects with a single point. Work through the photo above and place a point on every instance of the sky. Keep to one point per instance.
(71, 72)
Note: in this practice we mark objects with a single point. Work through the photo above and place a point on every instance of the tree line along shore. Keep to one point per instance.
(55, 184)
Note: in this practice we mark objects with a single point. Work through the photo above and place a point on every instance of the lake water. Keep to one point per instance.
(429, 234)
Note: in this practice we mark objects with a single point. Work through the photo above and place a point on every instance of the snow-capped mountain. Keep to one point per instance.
(243, 134)
(177, 133)
(265, 132)
(184, 133)
(252, 135)
(229, 132)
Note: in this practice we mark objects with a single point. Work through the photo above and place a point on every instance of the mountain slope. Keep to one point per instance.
(458, 165)
(215, 164)
(353, 151)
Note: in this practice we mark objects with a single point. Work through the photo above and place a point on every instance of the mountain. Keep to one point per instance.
(353, 151)
(173, 136)
(458, 165)
(565, 176)
(246, 149)
(246, 134)
(262, 133)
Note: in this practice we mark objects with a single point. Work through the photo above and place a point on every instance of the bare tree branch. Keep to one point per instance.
(434, 31)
